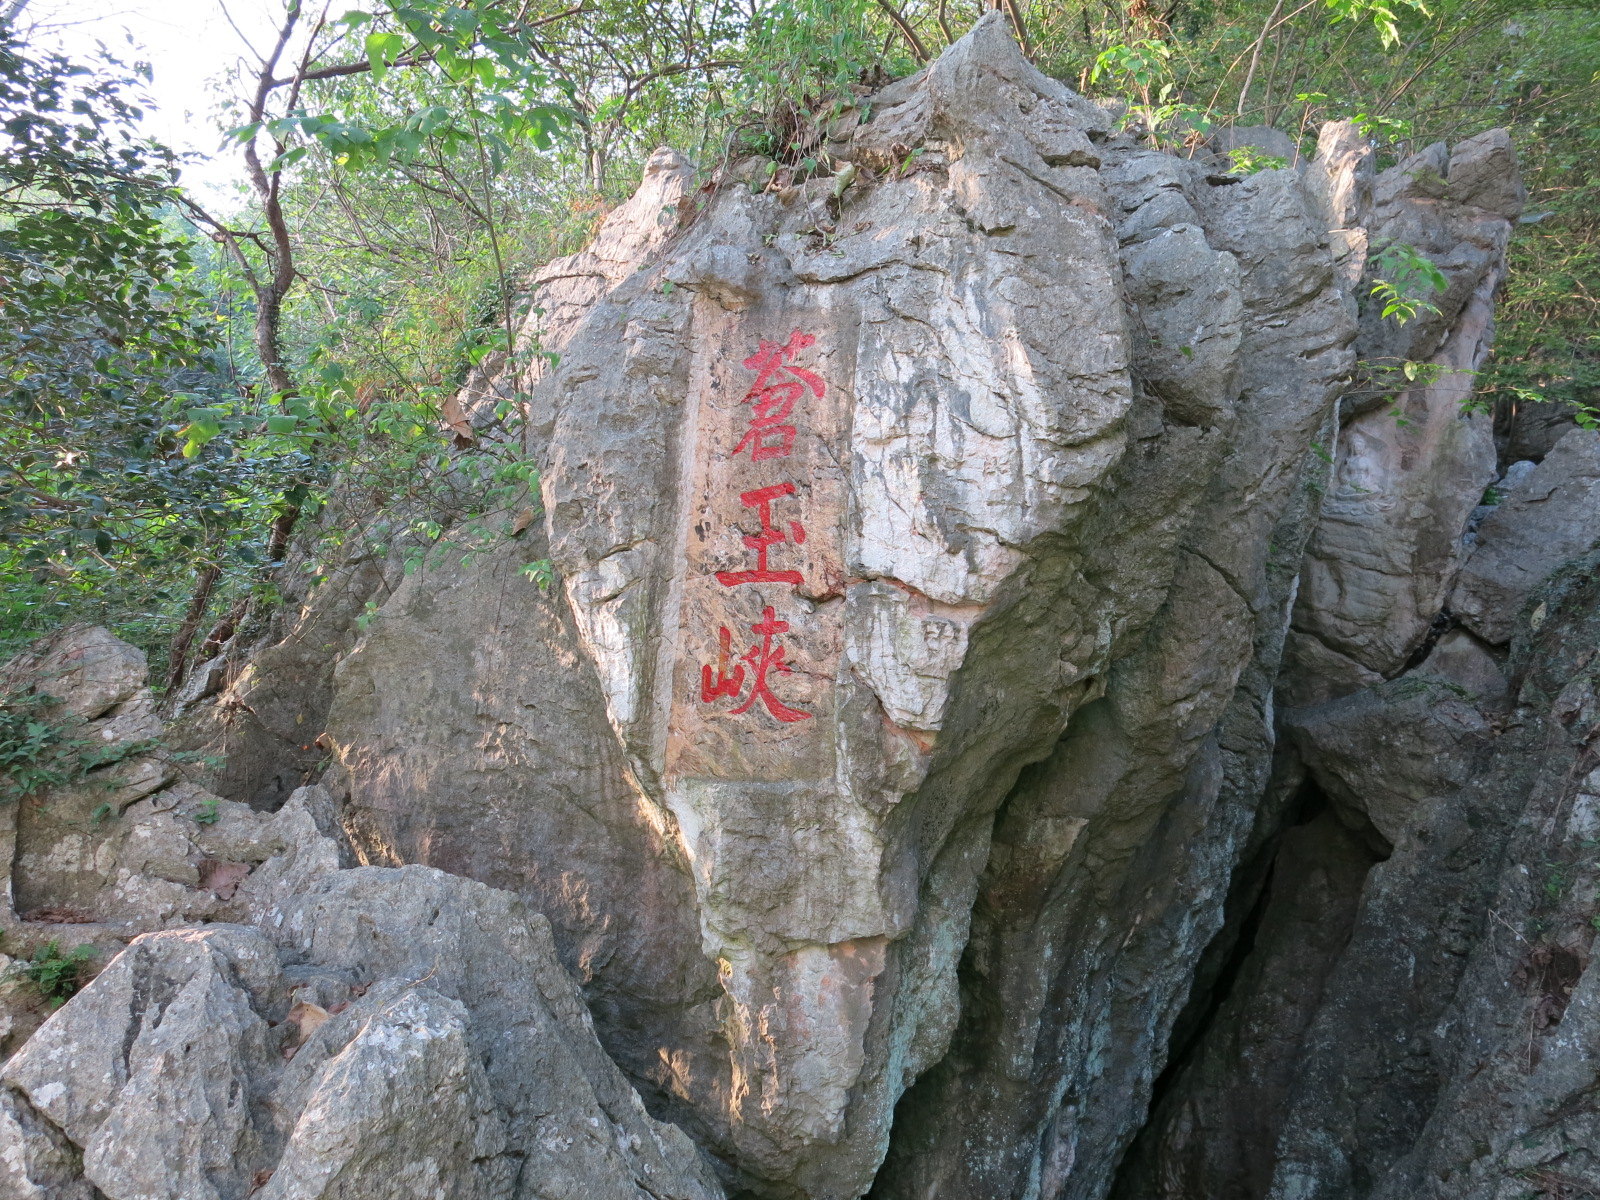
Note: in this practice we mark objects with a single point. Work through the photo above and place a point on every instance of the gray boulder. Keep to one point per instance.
(1549, 515)
(932, 680)
(386, 1034)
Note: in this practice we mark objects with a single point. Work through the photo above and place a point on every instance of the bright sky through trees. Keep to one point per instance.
(190, 46)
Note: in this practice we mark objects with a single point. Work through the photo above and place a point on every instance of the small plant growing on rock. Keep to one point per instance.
(1403, 279)
(36, 750)
(1247, 160)
(41, 749)
(58, 976)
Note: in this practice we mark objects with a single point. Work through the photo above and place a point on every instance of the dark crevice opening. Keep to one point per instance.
(1218, 975)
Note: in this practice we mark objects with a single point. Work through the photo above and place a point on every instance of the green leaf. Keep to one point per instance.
(380, 49)
(198, 433)
(287, 159)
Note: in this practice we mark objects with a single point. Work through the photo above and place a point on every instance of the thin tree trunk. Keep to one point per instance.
(1020, 28)
(224, 629)
(898, 19)
(178, 658)
(282, 527)
(1255, 57)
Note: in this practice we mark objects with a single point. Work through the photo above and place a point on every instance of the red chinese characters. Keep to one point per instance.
(778, 388)
(761, 500)
(779, 385)
(762, 659)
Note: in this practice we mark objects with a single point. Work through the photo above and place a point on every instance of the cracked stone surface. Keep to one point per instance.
(974, 443)
(970, 573)
(1410, 466)
(384, 1033)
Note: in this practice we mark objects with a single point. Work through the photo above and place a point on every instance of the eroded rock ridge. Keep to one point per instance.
(1024, 656)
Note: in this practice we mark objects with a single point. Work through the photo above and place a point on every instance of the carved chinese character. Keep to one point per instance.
(761, 500)
(774, 401)
(722, 683)
(762, 659)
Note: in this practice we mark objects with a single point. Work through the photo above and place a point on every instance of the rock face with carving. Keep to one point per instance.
(994, 631)
(855, 495)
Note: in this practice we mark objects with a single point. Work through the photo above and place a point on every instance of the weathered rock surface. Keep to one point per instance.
(1017, 439)
(1426, 1030)
(129, 845)
(1410, 467)
(1024, 708)
(1551, 515)
(1111, 859)
(1214, 1133)
(1001, 471)
(376, 1032)
(1394, 1004)
(1455, 1038)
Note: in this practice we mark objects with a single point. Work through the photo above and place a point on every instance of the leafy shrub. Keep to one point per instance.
(41, 748)
(1405, 277)
(1247, 160)
(36, 751)
(58, 976)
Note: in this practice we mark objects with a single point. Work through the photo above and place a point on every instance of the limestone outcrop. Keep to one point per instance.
(1397, 1002)
(364, 1031)
(854, 496)
(1035, 696)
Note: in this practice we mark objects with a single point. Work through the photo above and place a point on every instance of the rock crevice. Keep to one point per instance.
(1023, 658)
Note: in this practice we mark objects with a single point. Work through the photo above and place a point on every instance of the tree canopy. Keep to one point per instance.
(182, 386)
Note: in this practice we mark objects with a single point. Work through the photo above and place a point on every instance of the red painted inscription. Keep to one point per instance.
(762, 659)
(778, 388)
(761, 500)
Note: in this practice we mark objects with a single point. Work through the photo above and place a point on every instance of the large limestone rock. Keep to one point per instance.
(1456, 1033)
(390, 1034)
(1427, 1029)
(855, 495)
(1411, 461)
(1551, 515)
(1107, 876)
(86, 669)
(895, 755)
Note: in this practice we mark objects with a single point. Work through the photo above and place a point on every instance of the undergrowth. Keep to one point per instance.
(57, 975)
(42, 747)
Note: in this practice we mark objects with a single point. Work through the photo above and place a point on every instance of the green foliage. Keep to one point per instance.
(41, 747)
(1247, 160)
(492, 92)
(110, 349)
(1403, 278)
(1140, 66)
(814, 52)
(37, 751)
(1382, 16)
(58, 976)
(206, 813)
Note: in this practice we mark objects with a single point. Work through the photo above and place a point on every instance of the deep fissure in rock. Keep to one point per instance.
(1215, 1107)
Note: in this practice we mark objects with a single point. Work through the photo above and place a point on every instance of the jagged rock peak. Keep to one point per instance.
(926, 539)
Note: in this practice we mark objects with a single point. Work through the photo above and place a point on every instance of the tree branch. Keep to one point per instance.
(918, 50)
(1020, 27)
(409, 59)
